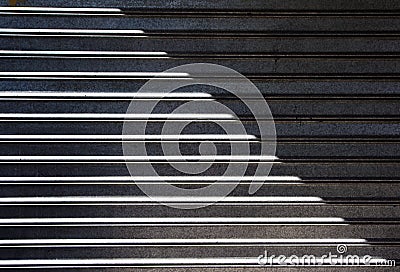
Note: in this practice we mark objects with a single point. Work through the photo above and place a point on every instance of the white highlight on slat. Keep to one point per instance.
(121, 180)
(105, 95)
(172, 220)
(100, 53)
(135, 116)
(77, 263)
(178, 262)
(133, 137)
(173, 199)
(50, 9)
(180, 242)
(141, 158)
(93, 74)
(153, 178)
(70, 31)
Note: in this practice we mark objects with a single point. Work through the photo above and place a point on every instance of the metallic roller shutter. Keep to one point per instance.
(329, 70)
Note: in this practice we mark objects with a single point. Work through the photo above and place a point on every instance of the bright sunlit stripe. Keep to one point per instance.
(71, 31)
(121, 180)
(50, 9)
(115, 262)
(172, 220)
(154, 178)
(187, 262)
(103, 94)
(134, 137)
(145, 199)
(117, 53)
(186, 116)
(99, 74)
(140, 158)
(180, 241)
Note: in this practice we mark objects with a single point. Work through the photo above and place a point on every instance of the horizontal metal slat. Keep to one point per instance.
(216, 46)
(284, 129)
(282, 192)
(201, 232)
(31, 107)
(229, 210)
(205, 24)
(144, 68)
(269, 87)
(313, 5)
(194, 13)
(353, 170)
(284, 150)
(176, 251)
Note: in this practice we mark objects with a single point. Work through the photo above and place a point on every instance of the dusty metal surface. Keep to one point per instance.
(329, 70)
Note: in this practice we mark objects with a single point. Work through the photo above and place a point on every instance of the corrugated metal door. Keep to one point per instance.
(329, 71)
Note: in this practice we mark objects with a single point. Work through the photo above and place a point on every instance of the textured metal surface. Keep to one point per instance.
(329, 70)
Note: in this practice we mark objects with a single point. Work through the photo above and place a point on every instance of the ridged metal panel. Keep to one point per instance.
(329, 70)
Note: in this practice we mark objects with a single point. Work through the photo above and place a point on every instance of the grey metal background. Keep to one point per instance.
(330, 71)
